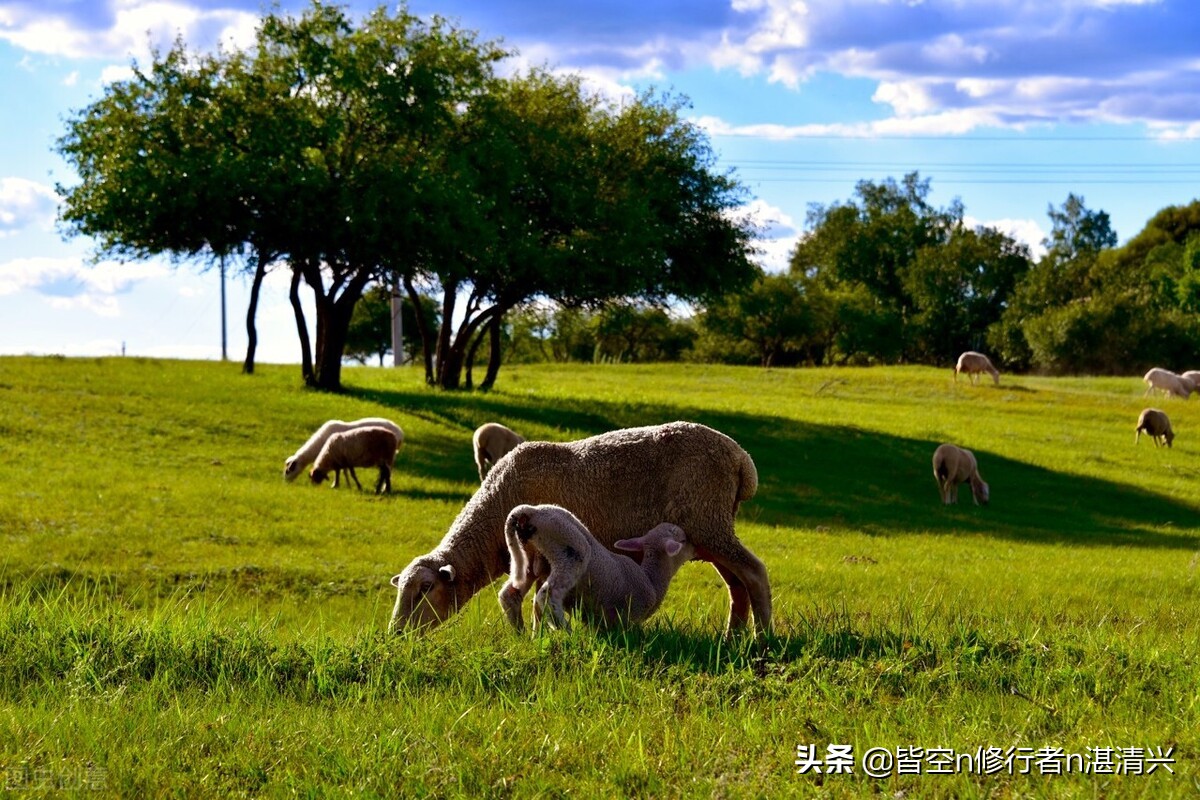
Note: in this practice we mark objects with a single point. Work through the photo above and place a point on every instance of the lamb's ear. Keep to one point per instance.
(630, 545)
(396, 579)
(672, 547)
(446, 573)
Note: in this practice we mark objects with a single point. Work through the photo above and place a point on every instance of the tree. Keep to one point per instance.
(772, 316)
(901, 280)
(313, 147)
(564, 197)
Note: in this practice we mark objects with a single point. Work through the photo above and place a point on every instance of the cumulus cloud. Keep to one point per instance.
(1001, 63)
(1025, 231)
(69, 283)
(120, 29)
(777, 234)
(24, 204)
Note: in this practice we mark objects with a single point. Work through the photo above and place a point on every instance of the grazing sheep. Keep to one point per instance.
(1156, 425)
(974, 363)
(1166, 381)
(625, 480)
(607, 587)
(954, 465)
(358, 447)
(309, 450)
(492, 442)
(1192, 376)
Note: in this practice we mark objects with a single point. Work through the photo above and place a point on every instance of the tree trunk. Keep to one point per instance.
(493, 369)
(333, 325)
(422, 328)
(471, 357)
(260, 272)
(306, 359)
(447, 366)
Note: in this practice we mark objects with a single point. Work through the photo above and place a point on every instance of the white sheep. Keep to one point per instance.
(625, 480)
(972, 364)
(492, 441)
(1192, 376)
(606, 587)
(358, 447)
(954, 465)
(1166, 381)
(1156, 425)
(309, 450)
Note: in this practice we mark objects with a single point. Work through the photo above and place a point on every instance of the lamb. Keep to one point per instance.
(607, 587)
(358, 447)
(625, 480)
(1166, 381)
(974, 363)
(953, 465)
(1155, 424)
(492, 441)
(309, 450)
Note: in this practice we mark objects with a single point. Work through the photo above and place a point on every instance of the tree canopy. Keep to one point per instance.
(387, 149)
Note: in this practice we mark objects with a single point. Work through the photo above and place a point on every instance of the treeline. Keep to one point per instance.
(886, 278)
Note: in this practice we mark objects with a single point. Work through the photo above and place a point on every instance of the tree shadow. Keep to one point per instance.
(839, 476)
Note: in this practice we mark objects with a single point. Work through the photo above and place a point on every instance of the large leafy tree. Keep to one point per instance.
(313, 148)
(563, 196)
(901, 280)
(1090, 306)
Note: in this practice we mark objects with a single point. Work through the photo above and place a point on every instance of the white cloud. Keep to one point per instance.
(907, 98)
(1026, 231)
(778, 234)
(69, 283)
(25, 203)
(135, 27)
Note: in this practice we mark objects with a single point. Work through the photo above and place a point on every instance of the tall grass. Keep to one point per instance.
(176, 620)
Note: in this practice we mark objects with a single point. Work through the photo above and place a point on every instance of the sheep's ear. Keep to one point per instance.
(672, 547)
(446, 573)
(396, 579)
(630, 545)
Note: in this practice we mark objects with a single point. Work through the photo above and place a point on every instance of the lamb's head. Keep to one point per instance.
(664, 538)
(317, 476)
(292, 469)
(425, 595)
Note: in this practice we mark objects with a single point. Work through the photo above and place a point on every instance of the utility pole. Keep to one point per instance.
(224, 336)
(397, 326)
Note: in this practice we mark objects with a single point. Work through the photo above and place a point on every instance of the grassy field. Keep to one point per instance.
(175, 620)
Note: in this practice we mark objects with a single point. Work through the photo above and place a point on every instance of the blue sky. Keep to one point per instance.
(1007, 105)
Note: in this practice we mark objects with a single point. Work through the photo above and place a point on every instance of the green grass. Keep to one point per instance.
(175, 620)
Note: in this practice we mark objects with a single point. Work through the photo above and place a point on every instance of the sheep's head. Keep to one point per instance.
(664, 537)
(1169, 436)
(425, 595)
(291, 469)
(979, 490)
(318, 476)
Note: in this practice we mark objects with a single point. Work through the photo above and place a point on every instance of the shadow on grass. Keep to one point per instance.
(814, 475)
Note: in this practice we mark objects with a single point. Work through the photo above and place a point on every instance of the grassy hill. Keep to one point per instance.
(177, 620)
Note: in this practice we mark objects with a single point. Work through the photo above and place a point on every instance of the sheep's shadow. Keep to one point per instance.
(819, 475)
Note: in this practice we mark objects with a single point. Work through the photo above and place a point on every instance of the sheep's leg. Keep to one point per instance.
(337, 477)
(512, 594)
(749, 588)
(563, 578)
(355, 477)
(385, 479)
